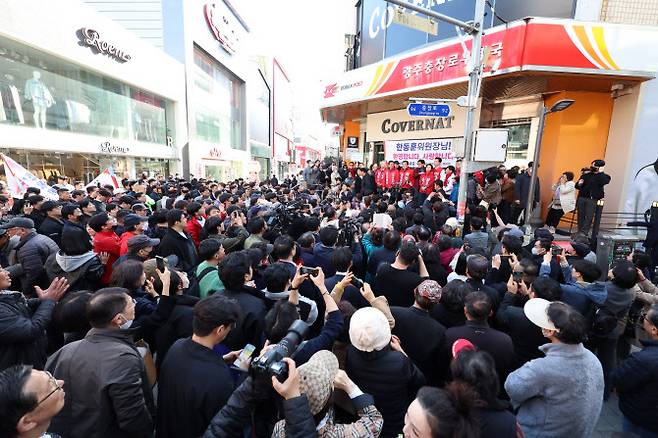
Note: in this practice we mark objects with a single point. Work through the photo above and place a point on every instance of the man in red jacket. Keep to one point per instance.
(105, 240)
(392, 175)
(133, 226)
(406, 176)
(380, 175)
(438, 168)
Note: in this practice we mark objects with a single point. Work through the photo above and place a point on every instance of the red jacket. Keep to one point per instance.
(380, 177)
(392, 178)
(437, 173)
(123, 240)
(107, 241)
(194, 229)
(426, 184)
(406, 178)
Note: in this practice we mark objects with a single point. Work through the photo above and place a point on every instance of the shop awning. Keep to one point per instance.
(540, 50)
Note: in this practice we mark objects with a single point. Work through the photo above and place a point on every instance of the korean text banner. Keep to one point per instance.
(414, 150)
(19, 179)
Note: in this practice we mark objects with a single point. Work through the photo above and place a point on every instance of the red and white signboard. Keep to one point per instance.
(535, 45)
(414, 150)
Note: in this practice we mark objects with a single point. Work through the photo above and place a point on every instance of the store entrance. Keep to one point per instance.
(48, 165)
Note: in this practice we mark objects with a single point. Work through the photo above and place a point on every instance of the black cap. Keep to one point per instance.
(598, 163)
(133, 219)
(141, 241)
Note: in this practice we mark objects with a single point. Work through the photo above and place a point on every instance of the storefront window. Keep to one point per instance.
(217, 97)
(519, 137)
(39, 90)
(224, 171)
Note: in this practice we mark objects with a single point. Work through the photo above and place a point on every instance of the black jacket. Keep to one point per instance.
(498, 344)
(592, 186)
(52, 228)
(181, 247)
(351, 293)
(425, 351)
(178, 326)
(194, 384)
(391, 378)
(85, 276)
(231, 420)
(526, 336)
(249, 328)
(522, 188)
(112, 400)
(23, 330)
(636, 380)
(32, 252)
(368, 186)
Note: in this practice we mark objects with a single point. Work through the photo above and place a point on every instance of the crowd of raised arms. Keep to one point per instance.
(343, 301)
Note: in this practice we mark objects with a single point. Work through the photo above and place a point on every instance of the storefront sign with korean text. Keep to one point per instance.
(399, 125)
(414, 150)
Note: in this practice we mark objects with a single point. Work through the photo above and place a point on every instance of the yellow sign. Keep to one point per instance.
(426, 25)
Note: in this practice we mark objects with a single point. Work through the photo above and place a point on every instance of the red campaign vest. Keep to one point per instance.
(427, 182)
(406, 178)
(392, 178)
(437, 173)
(380, 177)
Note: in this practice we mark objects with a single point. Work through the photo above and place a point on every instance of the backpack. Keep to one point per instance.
(604, 322)
(194, 290)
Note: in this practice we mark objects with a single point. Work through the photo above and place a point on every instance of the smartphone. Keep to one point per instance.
(517, 276)
(357, 283)
(306, 270)
(242, 362)
(160, 263)
(556, 250)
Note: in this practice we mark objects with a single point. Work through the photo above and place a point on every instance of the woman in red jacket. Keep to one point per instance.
(426, 183)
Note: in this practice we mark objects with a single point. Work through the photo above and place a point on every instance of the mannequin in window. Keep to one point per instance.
(37, 92)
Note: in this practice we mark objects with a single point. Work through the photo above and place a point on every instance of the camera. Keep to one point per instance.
(271, 363)
(306, 270)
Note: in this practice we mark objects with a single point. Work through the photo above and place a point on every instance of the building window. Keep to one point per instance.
(217, 103)
(41, 91)
(519, 137)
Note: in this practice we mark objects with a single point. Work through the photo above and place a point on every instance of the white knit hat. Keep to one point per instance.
(369, 330)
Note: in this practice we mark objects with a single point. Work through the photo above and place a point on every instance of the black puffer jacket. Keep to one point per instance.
(52, 228)
(83, 272)
(23, 329)
(182, 247)
(32, 252)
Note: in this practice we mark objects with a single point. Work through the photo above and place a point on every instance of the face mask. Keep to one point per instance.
(535, 251)
(546, 333)
(126, 325)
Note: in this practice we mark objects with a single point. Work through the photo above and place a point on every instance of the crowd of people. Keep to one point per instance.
(341, 302)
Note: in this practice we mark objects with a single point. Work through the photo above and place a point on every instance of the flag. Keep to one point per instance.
(106, 177)
(19, 179)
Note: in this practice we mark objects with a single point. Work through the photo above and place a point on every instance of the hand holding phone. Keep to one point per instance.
(242, 362)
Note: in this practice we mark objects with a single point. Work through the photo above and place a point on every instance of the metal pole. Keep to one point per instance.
(473, 94)
(530, 202)
(470, 28)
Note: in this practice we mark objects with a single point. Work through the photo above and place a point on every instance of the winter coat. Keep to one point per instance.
(559, 395)
(230, 421)
(107, 241)
(182, 247)
(32, 252)
(391, 378)
(83, 272)
(178, 326)
(23, 329)
(522, 188)
(232, 244)
(121, 402)
(636, 380)
(567, 200)
(52, 228)
(194, 229)
(581, 296)
(526, 336)
(249, 328)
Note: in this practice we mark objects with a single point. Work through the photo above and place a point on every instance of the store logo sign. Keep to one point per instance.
(110, 149)
(330, 90)
(92, 39)
(215, 153)
(222, 26)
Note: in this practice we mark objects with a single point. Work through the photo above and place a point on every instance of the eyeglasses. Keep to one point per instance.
(52, 381)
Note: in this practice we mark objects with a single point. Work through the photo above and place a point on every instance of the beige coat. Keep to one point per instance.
(567, 196)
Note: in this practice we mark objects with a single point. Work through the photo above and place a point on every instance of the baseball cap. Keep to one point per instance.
(536, 310)
(141, 241)
(515, 232)
(598, 163)
(453, 222)
(369, 330)
(133, 219)
(460, 345)
(429, 289)
(18, 222)
(317, 379)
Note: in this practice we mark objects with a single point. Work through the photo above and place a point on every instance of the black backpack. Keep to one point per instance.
(194, 289)
(604, 322)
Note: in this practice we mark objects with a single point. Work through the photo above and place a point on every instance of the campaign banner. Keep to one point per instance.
(414, 150)
(19, 179)
(106, 177)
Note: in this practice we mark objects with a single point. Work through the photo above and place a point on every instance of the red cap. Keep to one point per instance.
(461, 344)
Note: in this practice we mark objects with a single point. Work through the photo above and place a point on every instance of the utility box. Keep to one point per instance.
(490, 145)
(612, 248)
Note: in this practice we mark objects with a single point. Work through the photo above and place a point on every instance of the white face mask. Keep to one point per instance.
(535, 251)
(126, 325)
(546, 333)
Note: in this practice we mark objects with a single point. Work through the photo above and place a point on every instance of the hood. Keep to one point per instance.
(71, 263)
(596, 292)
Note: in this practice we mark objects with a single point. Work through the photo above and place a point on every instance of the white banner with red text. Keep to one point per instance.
(427, 149)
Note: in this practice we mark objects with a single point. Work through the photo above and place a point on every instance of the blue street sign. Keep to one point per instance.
(428, 110)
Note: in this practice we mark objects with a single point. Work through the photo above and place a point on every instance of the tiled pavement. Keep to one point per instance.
(609, 425)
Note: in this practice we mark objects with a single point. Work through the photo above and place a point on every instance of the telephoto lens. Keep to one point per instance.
(271, 363)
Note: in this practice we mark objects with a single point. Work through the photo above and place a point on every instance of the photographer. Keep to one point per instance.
(591, 185)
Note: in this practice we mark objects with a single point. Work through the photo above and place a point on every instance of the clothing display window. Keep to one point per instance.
(217, 98)
(41, 91)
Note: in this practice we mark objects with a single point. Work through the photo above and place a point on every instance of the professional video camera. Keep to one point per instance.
(271, 363)
(348, 227)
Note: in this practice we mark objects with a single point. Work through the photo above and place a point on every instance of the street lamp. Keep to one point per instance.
(558, 106)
